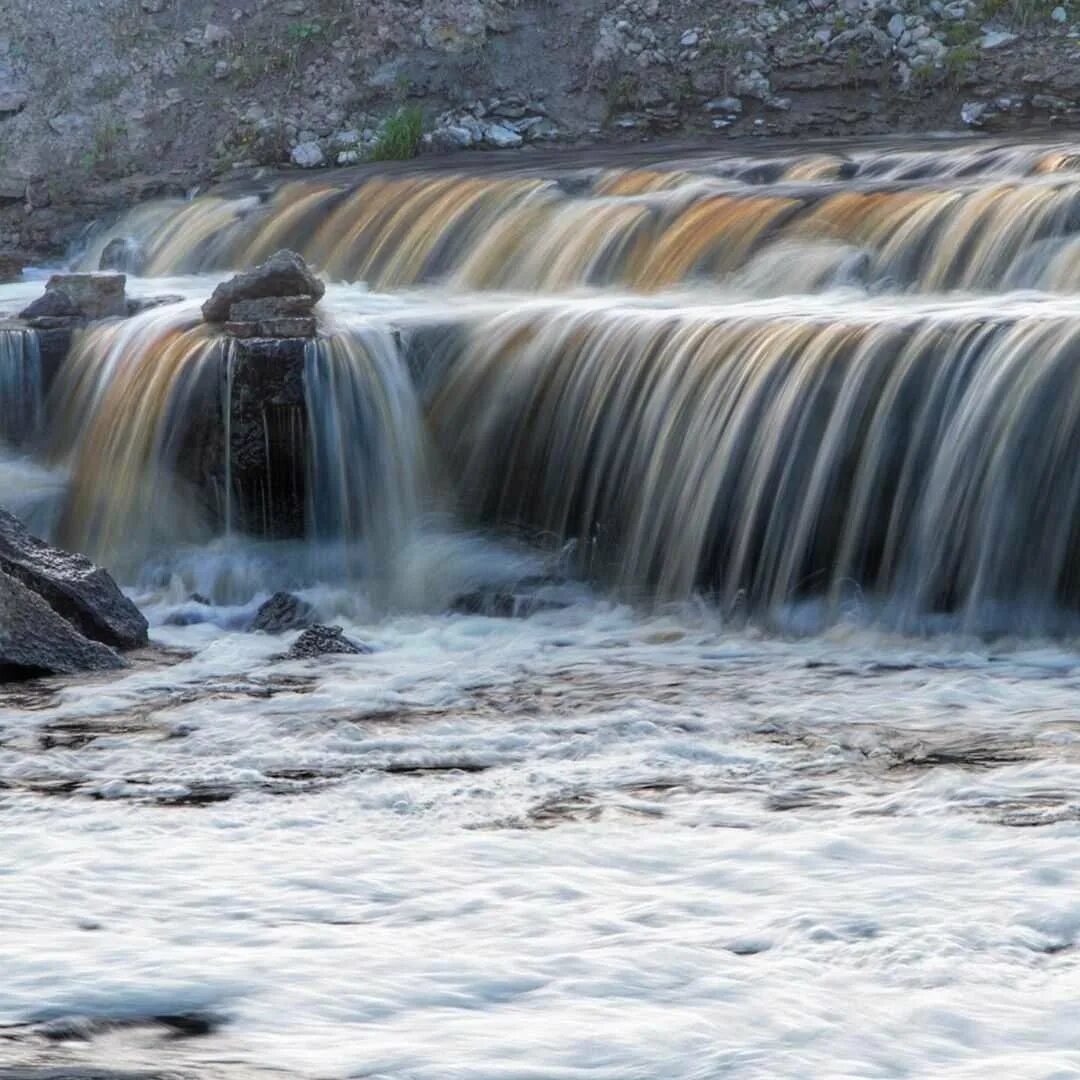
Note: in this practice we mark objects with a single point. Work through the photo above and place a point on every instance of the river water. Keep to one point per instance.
(783, 778)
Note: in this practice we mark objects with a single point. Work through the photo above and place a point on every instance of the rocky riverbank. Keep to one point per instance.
(175, 94)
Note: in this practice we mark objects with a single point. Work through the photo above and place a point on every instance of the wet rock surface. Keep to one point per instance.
(71, 299)
(36, 641)
(72, 586)
(283, 611)
(284, 276)
(514, 601)
(324, 641)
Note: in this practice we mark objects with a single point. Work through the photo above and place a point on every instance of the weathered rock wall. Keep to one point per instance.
(95, 95)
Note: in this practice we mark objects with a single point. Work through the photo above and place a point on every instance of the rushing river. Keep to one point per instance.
(780, 774)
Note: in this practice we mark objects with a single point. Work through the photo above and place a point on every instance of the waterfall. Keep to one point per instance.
(926, 462)
(956, 219)
(799, 387)
(366, 456)
(21, 386)
(136, 421)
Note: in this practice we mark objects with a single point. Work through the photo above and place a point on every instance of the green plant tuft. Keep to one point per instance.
(400, 135)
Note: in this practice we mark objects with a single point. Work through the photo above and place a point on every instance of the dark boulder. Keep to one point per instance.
(517, 601)
(284, 274)
(324, 640)
(36, 641)
(282, 612)
(82, 593)
(52, 304)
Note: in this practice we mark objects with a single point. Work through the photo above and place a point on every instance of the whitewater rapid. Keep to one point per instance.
(586, 844)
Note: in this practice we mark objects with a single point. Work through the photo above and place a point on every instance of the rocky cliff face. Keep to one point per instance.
(96, 94)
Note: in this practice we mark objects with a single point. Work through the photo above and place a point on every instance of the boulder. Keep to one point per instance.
(87, 296)
(82, 593)
(283, 611)
(308, 155)
(517, 601)
(322, 641)
(52, 304)
(35, 641)
(284, 274)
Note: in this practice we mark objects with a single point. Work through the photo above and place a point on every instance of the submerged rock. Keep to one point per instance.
(517, 601)
(324, 640)
(283, 611)
(284, 275)
(36, 641)
(77, 590)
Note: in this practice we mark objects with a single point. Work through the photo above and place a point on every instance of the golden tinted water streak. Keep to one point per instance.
(118, 394)
(645, 231)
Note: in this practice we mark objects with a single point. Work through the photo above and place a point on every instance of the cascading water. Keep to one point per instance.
(771, 454)
(972, 225)
(366, 457)
(21, 385)
(775, 455)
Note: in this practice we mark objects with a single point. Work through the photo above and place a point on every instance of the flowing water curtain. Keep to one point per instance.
(923, 464)
(643, 230)
(21, 386)
(367, 466)
(139, 426)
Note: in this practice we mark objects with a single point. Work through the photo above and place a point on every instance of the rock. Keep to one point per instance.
(997, 39)
(273, 328)
(518, 601)
(452, 137)
(754, 85)
(82, 593)
(689, 39)
(283, 274)
(122, 253)
(283, 611)
(36, 641)
(271, 307)
(349, 157)
(731, 106)
(324, 640)
(153, 7)
(146, 303)
(215, 35)
(974, 113)
(501, 136)
(1059, 15)
(68, 125)
(53, 303)
(897, 26)
(89, 296)
(12, 101)
(307, 155)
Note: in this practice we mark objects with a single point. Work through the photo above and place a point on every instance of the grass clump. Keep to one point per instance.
(400, 135)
